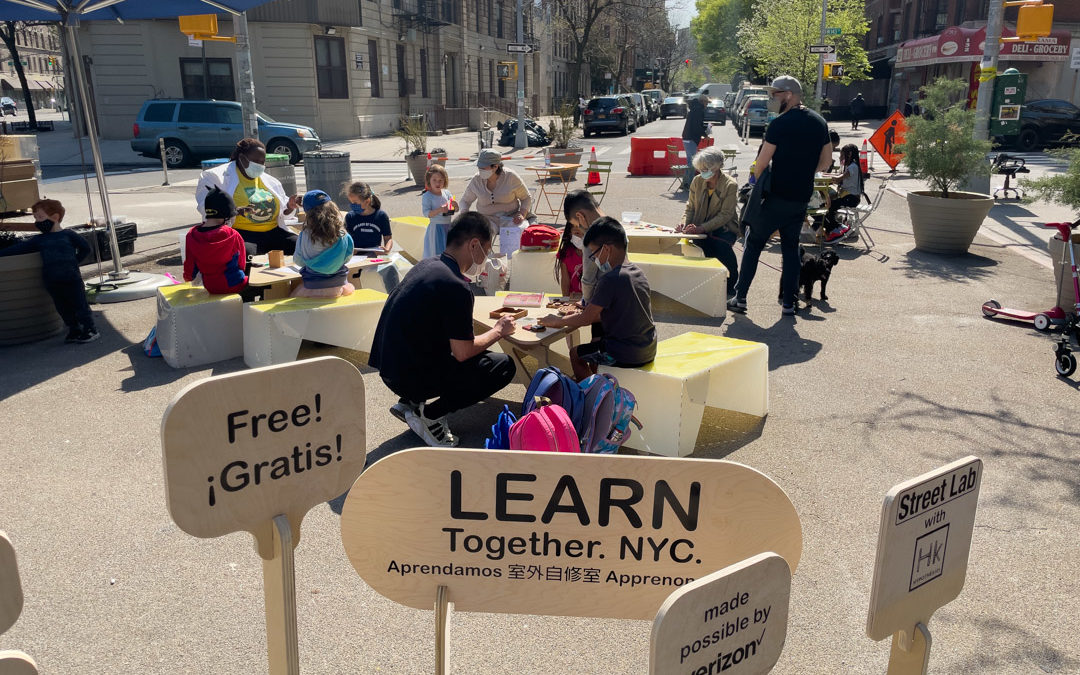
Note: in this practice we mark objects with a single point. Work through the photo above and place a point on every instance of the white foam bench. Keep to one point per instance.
(692, 371)
(533, 272)
(195, 328)
(408, 233)
(274, 329)
(699, 283)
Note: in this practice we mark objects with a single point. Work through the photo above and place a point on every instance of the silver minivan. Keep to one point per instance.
(640, 110)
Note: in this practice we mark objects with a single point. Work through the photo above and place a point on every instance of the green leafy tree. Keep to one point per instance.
(939, 145)
(778, 33)
(716, 28)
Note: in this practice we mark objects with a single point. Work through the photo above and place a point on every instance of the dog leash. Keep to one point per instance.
(760, 261)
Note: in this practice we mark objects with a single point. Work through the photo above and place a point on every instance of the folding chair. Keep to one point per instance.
(729, 162)
(854, 217)
(600, 190)
(677, 170)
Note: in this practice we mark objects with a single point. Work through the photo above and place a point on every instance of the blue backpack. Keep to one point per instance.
(609, 410)
(500, 431)
(551, 383)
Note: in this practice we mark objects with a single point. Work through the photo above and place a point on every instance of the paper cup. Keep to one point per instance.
(276, 259)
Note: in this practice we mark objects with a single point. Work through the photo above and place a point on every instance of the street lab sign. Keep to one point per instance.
(923, 545)
(889, 135)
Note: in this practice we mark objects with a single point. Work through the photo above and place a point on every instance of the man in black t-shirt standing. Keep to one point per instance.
(424, 346)
(797, 145)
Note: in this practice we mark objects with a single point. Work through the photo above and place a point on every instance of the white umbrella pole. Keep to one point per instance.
(70, 24)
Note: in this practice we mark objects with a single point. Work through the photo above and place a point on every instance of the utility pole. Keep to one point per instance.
(521, 140)
(987, 74)
(821, 57)
(247, 82)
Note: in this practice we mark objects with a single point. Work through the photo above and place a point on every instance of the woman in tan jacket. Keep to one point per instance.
(711, 210)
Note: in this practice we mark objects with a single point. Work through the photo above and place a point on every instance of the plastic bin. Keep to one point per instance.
(278, 166)
(211, 163)
(126, 234)
(328, 170)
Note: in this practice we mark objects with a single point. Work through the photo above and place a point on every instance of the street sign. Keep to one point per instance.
(1074, 62)
(833, 31)
(822, 49)
(519, 48)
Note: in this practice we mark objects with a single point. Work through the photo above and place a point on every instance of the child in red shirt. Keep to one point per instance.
(214, 250)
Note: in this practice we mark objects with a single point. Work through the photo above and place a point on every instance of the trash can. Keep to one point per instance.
(212, 163)
(329, 171)
(1066, 298)
(278, 166)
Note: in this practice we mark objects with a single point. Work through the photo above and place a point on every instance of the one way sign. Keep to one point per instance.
(519, 48)
(822, 49)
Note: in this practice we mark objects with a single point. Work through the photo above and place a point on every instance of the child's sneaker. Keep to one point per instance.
(73, 334)
(433, 432)
(737, 304)
(88, 335)
(838, 233)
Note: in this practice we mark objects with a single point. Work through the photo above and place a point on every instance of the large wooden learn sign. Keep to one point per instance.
(557, 534)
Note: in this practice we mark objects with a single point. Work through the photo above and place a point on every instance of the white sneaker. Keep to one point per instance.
(435, 432)
(399, 409)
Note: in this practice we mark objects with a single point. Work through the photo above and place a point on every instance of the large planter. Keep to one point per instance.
(417, 167)
(564, 156)
(947, 226)
(27, 312)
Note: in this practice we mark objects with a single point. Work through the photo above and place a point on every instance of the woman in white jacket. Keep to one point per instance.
(261, 202)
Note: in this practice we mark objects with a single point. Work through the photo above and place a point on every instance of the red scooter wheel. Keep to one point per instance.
(988, 308)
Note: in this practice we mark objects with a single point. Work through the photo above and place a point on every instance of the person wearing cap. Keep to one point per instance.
(501, 195)
(261, 203)
(796, 146)
(322, 249)
(214, 253)
(693, 131)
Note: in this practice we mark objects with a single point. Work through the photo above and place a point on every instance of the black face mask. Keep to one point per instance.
(44, 225)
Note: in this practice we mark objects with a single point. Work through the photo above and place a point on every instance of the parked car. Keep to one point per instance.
(716, 112)
(208, 128)
(741, 96)
(7, 105)
(1046, 122)
(729, 99)
(653, 107)
(739, 114)
(756, 113)
(610, 113)
(639, 105)
(673, 106)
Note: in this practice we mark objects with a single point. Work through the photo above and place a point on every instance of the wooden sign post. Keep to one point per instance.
(254, 451)
(922, 556)
(734, 620)
(556, 534)
(12, 662)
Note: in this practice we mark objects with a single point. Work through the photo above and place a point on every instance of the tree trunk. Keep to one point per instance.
(7, 34)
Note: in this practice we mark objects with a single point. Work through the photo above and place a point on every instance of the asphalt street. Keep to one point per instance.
(896, 374)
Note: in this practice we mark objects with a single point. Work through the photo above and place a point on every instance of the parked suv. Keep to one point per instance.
(639, 104)
(208, 128)
(610, 113)
(1046, 122)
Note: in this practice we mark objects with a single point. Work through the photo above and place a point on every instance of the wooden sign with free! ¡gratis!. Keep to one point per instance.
(734, 620)
(558, 534)
(240, 449)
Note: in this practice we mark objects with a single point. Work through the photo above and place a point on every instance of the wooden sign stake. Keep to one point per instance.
(910, 653)
(279, 592)
(442, 625)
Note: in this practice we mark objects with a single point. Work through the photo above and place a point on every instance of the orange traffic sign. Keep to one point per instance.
(889, 135)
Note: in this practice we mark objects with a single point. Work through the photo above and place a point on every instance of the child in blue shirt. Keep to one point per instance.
(61, 250)
(438, 206)
(322, 249)
(367, 223)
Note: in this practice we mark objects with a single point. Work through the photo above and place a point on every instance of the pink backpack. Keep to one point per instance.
(546, 429)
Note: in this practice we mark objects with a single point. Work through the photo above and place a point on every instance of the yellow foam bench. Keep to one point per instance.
(408, 233)
(699, 283)
(274, 329)
(195, 328)
(692, 371)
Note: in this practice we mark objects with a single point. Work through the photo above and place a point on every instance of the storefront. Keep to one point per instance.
(956, 53)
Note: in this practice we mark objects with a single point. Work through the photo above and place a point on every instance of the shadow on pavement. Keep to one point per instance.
(786, 346)
(918, 265)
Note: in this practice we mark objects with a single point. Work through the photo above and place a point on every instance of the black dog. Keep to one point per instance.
(814, 268)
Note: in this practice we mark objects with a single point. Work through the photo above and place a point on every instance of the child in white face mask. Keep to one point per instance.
(568, 260)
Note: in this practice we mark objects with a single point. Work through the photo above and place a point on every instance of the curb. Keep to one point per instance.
(130, 261)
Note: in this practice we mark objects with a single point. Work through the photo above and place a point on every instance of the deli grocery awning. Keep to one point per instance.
(956, 44)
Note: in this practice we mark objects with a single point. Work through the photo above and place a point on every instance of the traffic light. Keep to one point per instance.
(506, 70)
(688, 62)
(833, 71)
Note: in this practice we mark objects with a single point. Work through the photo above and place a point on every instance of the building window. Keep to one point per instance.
(216, 81)
(500, 19)
(373, 59)
(490, 15)
(423, 73)
(941, 20)
(330, 72)
(479, 75)
(402, 72)
(961, 9)
(476, 11)
(491, 76)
